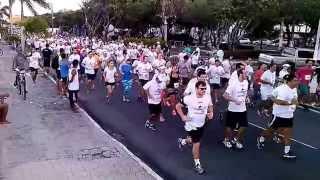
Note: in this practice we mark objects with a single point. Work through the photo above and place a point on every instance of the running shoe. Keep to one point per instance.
(149, 125)
(180, 145)
(260, 145)
(276, 139)
(227, 144)
(289, 155)
(198, 169)
(238, 144)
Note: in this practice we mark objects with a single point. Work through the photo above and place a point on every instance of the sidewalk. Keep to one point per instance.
(47, 141)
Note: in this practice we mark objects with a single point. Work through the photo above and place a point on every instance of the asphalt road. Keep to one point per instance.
(159, 149)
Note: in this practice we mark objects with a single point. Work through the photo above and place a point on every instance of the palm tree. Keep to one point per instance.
(4, 11)
(29, 4)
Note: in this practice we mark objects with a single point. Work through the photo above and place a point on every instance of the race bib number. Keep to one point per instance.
(215, 80)
(307, 77)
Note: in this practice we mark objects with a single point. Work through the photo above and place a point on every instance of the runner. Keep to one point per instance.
(64, 73)
(201, 76)
(200, 108)
(46, 54)
(304, 75)
(285, 100)
(184, 70)
(127, 73)
(268, 80)
(110, 74)
(73, 85)
(257, 81)
(144, 68)
(215, 72)
(173, 89)
(89, 63)
(236, 94)
(154, 90)
(4, 107)
(227, 73)
(34, 64)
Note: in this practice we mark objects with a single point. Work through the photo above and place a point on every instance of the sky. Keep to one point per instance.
(58, 5)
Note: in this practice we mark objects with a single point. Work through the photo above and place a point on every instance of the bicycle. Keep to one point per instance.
(20, 83)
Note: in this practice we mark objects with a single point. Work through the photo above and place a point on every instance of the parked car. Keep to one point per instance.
(244, 41)
(295, 55)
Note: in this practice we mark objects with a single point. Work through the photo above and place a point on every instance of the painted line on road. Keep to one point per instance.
(310, 109)
(297, 141)
(137, 159)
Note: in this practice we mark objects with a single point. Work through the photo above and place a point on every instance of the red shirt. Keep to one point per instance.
(304, 75)
(257, 76)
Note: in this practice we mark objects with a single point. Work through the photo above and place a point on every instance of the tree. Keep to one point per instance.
(35, 25)
(30, 5)
(4, 12)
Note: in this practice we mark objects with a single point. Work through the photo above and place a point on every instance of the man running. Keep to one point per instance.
(154, 90)
(144, 68)
(236, 94)
(73, 85)
(199, 107)
(285, 101)
(46, 54)
(127, 72)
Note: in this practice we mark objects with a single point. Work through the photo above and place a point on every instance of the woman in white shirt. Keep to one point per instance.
(34, 64)
(89, 63)
(110, 74)
(215, 72)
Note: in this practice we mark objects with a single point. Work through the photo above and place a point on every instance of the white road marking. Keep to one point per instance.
(297, 141)
(310, 109)
(137, 159)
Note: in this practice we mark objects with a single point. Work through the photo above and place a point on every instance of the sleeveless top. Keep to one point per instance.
(74, 85)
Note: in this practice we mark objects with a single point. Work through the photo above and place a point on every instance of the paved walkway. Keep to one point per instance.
(47, 141)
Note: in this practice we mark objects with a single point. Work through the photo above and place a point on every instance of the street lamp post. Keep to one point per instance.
(51, 19)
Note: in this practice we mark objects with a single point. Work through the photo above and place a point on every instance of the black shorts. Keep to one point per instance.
(224, 81)
(155, 109)
(196, 135)
(278, 122)
(143, 82)
(215, 86)
(46, 62)
(109, 84)
(236, 118)
(33, 69)
(91, 76)
(58, 74)
(64, 79)
(194, 66)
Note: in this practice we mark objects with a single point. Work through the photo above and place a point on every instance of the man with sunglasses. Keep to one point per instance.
(236, 94)
(200, 108)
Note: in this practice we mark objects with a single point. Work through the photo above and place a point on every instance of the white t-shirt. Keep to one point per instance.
(74, 85)
(234, 77)
(282, 73)
(220, 55)
(238, 90)
(89, 65)
(34, 60)
(227, 69)
(266, 89)
(155, 90)
(191, 87)
(249, 71)
(109, 75)
(195, 59)
(284, 93)
(197, 110)
(144, 70)
(215, 73)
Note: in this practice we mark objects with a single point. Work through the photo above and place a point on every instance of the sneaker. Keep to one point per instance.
(289, 155)
(180, 145)
(124, 99)
(128, 100)
(260, 145)
(239, 145)
(149, 125)
(276, 139)
(198, 169)
(227, 144)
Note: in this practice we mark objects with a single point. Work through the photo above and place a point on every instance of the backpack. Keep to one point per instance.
(55, 62)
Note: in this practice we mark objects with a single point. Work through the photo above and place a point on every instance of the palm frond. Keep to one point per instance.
(42, 3)
(30, 6)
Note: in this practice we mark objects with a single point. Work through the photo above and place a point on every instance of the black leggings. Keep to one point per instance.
(72, 101)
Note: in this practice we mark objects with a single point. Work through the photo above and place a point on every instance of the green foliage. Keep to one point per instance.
(36, 25)
(12, 39)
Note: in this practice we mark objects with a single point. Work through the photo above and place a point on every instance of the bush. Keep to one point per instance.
(35, 25)
(146, 41)
(12, 39)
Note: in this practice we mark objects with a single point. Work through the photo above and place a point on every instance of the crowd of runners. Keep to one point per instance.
(186, 84)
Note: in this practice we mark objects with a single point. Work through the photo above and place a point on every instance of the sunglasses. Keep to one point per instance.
(203, 89)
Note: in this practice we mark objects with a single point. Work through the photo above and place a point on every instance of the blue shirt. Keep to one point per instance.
(126, 70)
(64, 68)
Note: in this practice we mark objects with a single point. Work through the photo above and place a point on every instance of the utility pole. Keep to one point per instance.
(281, 35)
(316, 55)
(164, 19)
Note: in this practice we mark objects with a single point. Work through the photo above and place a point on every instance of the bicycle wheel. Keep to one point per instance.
(24, 90)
